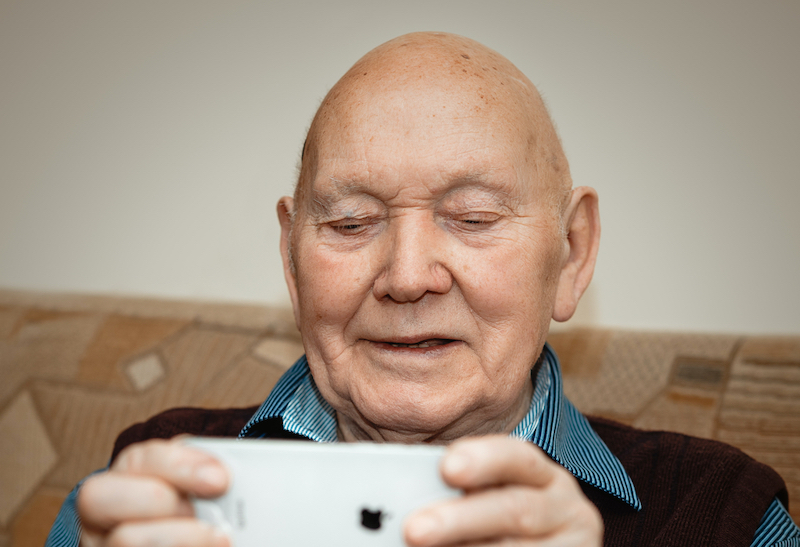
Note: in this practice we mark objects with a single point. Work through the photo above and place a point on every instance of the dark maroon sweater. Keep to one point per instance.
(694, 492)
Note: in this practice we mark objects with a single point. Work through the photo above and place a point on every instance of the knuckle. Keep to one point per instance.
(145, 457)
(161, 497)
(593, 519)
(130, 459)
(565, 483)
(584, 516)
(535, 462)
(520, 510)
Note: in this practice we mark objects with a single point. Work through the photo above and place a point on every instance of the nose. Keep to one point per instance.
(413, 262)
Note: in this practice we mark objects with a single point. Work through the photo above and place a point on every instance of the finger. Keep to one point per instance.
(495, 460)
(558, 516)
(515, 512)
(109, 498)
(559, 540)
(186, 532)
(188, 469)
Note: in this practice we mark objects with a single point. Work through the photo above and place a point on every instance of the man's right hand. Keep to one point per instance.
(142, 500)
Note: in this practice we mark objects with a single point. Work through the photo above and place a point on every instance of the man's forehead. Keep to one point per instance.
(423, 76)
(430, 87)
(432, 82)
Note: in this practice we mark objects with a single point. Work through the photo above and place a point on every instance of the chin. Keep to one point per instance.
(409, 411)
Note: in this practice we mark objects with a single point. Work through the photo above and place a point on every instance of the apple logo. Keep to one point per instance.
(371, 520)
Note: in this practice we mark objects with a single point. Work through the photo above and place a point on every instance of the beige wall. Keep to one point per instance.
(143, 145)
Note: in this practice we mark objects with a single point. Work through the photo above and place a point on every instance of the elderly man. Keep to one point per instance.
(433, 234)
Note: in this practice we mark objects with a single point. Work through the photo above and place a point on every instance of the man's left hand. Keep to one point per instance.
(514, 495)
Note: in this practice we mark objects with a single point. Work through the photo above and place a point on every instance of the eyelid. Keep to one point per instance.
(352, 225)
(477, 215)
(347, 221)
(342, 201)
(474, 217)
(473, 222)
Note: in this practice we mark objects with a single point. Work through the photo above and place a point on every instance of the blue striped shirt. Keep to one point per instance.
(552, 423)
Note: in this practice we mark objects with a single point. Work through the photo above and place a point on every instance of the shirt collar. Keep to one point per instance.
(297, 400)
(552, 423)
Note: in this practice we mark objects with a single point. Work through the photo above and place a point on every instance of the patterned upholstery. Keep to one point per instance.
(76, 370)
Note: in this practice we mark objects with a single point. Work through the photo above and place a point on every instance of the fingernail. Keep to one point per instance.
(210, 475)
(456, 463)
(421, 527)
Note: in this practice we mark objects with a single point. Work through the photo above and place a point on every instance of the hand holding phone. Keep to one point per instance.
(303, 493)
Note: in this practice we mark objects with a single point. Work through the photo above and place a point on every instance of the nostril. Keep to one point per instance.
(410, 286)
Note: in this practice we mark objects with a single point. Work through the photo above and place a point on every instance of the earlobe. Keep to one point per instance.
(582, 223)
(286, 218)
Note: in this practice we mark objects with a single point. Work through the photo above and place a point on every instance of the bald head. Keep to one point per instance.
(420, 76)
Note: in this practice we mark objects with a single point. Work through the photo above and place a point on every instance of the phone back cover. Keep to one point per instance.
(286, 493)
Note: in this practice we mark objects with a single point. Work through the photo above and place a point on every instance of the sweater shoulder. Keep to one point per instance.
(225, 422)
(624, 441)
(694, 454)
(690, 487)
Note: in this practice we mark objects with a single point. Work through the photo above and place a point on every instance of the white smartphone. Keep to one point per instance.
(286, 493)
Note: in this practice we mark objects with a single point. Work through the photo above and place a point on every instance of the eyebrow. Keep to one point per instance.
(498, 192)
(321, 204)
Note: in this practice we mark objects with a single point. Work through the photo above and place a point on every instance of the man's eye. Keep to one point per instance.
(477, 221)
(349, 226)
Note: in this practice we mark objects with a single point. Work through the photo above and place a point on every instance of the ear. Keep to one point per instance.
(582, 223)
(285, 214)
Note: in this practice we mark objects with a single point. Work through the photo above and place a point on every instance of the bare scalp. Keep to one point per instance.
(473, 77)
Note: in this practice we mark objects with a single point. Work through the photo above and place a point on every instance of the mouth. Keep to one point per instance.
(414, 345)
(430, 343)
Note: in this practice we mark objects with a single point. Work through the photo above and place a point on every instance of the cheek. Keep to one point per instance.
(511, 294)
(511, 283)
(330, 286)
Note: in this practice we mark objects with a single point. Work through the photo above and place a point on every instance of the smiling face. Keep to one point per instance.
(426, 246)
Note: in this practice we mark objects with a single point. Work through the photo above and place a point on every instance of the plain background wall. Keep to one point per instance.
(143, 145)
